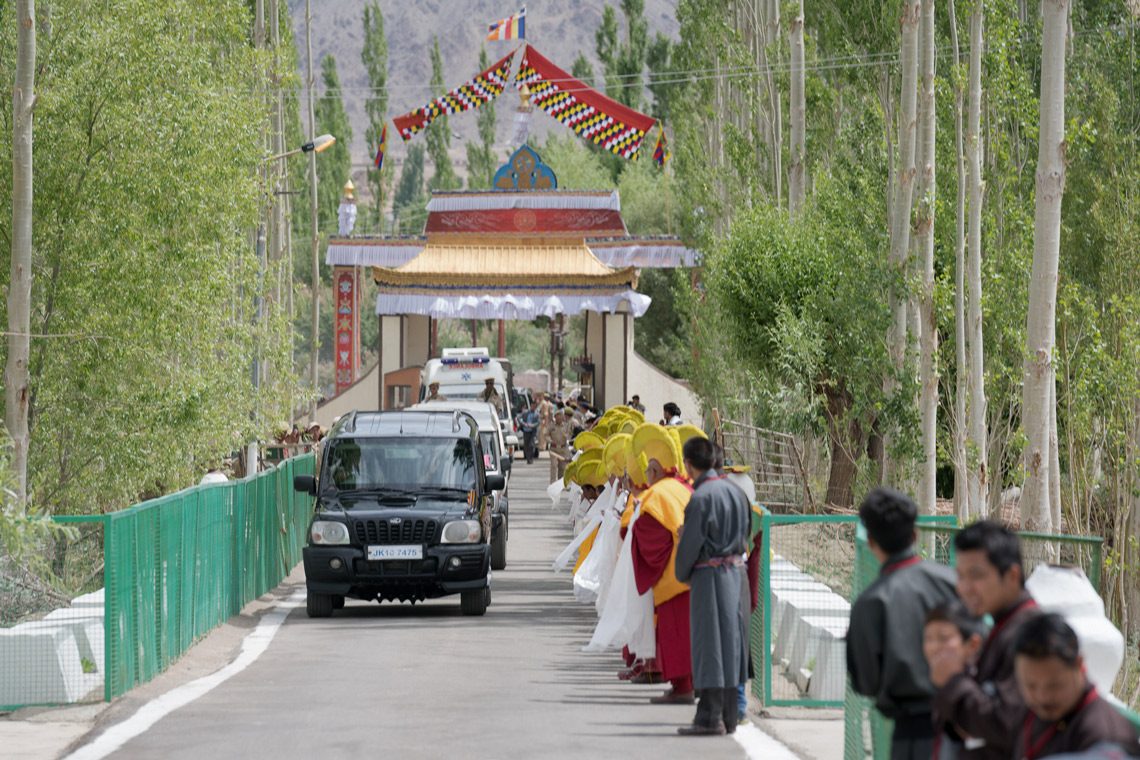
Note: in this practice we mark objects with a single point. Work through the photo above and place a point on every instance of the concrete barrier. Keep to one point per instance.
(42, 666)
(88, 633)
(94, 599)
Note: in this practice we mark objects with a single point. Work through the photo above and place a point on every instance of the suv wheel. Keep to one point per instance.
(338, 602)
(499, 547)
(318, 605)
(475, 602)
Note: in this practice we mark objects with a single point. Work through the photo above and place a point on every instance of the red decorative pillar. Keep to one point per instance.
(346, 333)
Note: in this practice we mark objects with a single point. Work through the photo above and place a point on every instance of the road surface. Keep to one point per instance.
(402, 681)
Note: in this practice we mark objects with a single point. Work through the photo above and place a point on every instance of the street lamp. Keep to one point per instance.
(316, 145)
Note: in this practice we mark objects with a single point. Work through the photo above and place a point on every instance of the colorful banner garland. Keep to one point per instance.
(589, 113)
(484, 88)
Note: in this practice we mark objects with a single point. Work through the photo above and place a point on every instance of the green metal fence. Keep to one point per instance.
(178, 566)
(808, 575)
(866, 733)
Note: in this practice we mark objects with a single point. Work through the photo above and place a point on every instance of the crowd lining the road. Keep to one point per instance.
(665, 551)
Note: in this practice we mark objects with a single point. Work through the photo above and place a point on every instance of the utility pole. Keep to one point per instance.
(315, 239)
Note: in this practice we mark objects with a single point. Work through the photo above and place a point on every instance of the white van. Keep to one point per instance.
(497, 448)
(462, 375)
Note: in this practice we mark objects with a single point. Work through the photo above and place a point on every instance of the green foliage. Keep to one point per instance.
(481, 159)
(583, 69)
(374, 55)
(439, 133)
(149, 131)
(410, 200)
(334, 166)
(576, 166)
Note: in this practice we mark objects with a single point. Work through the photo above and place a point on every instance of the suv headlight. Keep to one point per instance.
(462, 532)
(328, 532)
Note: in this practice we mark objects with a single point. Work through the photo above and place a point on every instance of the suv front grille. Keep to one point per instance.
(406, 532)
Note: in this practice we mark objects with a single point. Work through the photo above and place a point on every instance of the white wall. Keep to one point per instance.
(655, 388)
(363, 394)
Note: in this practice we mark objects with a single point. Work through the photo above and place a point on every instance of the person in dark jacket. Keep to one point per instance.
(951, 631)
(884, 637)
(711, 559)
(1065, 712)
(982, 699)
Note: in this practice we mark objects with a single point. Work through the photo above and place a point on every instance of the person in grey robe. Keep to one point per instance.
(885, 658)
(711, 559)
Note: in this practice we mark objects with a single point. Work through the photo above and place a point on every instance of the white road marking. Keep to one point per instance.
(253, 646)
(758, 744)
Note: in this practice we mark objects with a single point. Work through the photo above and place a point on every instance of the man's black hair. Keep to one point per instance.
(889, 517)
(1045, 636)
(1000, 544)
(958, 615)
(699, 452)
(672, 410)
(636, 397)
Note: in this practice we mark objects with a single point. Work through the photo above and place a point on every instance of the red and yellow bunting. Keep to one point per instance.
(484, 88)
(591, 115)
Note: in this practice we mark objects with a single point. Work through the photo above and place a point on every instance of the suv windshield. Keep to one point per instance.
(400, 463)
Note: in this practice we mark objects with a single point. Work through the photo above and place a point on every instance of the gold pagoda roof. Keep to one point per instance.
(515, 262)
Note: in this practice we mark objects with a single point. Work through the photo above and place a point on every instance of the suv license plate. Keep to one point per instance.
(396, 552)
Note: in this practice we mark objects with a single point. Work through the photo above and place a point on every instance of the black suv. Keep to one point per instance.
(402, 512)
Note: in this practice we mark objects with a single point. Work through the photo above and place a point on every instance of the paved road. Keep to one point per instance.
(425, 682)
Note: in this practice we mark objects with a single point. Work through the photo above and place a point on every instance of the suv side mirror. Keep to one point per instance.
(495, 482)
(505, 464)
(305, 484)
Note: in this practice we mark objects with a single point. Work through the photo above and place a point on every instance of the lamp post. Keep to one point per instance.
(316, 274)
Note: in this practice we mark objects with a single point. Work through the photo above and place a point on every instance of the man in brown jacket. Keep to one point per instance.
(1065, 712)
(982, 700)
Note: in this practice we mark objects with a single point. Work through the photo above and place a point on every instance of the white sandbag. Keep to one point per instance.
(564, 560)
(1066, 591)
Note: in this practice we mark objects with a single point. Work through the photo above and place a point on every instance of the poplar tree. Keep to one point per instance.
(374, 55)
(481, 159)
(409, 196)
(336, 166)
(439, 132)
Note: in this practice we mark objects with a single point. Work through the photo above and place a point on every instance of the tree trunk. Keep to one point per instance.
(1036, 510)
(961, 373)
(976, 436)
(843, 440)
(797, 109)
(20, 282)
(903, 200)
(928, 325)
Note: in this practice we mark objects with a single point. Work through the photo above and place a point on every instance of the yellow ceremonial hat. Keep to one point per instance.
(657, 442)
(635, 464)
(576, 469)
(687, 431)
(614, 454)
(587, 440)
(628, 427)
(636, 416)
(592, 473)
(603, 430)
(569, 475)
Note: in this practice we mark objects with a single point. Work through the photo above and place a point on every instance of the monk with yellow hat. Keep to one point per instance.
(655, 536)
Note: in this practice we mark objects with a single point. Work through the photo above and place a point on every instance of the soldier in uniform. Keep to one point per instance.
(559, 445)
(545, 411)
(434, 394)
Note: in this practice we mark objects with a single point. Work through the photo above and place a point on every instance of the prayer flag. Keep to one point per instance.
(510, 28)
(592, 115)
(378, 162)
(486, 86)
(661, 152)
